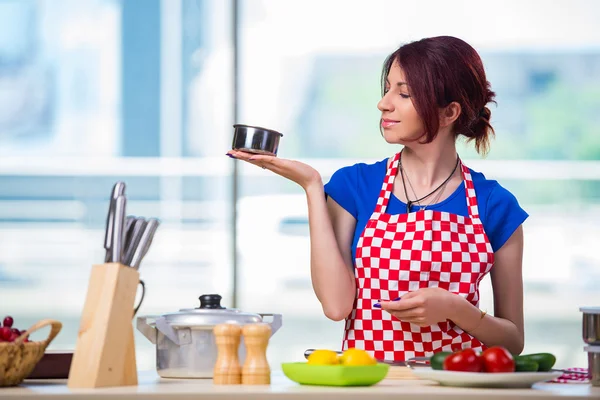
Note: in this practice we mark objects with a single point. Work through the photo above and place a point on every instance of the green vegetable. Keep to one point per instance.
(545, 361)
(525, 365)
(437, 360)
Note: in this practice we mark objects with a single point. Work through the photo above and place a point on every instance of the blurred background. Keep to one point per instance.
(147, 91)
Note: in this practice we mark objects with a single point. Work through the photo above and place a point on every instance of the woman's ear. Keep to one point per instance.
(449, 114)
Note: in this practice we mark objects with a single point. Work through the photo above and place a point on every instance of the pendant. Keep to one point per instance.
(408, 204)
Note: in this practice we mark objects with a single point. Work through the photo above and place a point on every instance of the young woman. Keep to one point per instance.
(398, 247)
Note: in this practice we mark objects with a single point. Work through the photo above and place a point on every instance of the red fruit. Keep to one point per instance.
(15, 330)
(465, 360)
(497, 359)
(13, 337)
(5, 333)
(8, 321)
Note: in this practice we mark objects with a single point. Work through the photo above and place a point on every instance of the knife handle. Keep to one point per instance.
(133, 240)
(118, 190)
(145, 241)
(118, 229)
(129, 223)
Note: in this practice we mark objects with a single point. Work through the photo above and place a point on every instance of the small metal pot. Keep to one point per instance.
(254, 139)
(591, 325)
(185, 342)
(594, 364)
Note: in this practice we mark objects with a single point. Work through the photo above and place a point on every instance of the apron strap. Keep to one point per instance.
(388, 185)
(470, 191)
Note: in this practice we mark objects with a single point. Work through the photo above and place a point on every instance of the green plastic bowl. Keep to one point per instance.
(335, 375)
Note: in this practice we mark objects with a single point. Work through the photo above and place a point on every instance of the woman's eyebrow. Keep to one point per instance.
(397, 84)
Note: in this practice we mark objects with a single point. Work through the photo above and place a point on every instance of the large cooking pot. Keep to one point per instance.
(254, 139)
(185, 342)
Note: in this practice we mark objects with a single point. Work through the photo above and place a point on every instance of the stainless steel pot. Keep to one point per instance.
(254, 139)
(185, 342)
(594, 364)
(591, 325)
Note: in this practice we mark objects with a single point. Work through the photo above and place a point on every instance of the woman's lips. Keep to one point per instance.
(387, 123)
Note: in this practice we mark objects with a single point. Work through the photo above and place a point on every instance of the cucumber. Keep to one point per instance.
(525, 365)
(545, 360)
(437, 360)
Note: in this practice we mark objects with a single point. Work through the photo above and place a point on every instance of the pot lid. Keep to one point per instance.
(590, 310)
(592, 349)
(209, 314)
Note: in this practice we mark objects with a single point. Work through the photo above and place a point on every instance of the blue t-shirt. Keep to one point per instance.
(356, 188)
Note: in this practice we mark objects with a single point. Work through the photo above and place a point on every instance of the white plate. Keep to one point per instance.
(483, 379)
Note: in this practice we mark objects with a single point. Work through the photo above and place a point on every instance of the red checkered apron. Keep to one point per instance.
(397, 254)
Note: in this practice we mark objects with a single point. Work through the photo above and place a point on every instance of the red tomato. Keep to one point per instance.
(466, 360)
(498, 359)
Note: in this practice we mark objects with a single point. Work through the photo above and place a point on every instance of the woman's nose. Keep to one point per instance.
(384, 105)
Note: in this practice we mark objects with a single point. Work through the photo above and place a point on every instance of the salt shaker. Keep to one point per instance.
(227, 370)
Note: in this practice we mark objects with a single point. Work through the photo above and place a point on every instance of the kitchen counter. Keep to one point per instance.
(151, 386)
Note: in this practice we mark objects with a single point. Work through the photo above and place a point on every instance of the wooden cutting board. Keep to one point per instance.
(53, 365)
(399, 373)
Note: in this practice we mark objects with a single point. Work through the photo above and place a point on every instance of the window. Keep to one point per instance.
(94, 91)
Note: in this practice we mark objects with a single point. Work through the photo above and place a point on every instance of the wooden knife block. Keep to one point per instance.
(105, 352)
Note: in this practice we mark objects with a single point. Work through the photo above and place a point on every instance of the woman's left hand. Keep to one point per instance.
(422, 307)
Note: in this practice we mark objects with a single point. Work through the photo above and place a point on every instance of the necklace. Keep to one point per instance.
(433, 200)
(437, 197)
(409, 203)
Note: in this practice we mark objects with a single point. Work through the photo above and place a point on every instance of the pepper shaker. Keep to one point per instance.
(256, 369)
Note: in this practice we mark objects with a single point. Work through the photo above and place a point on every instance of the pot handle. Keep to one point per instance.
(275, 324)
(167, 330)
(146, 328)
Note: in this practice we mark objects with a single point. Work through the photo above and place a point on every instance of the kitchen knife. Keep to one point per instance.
(151, 237)
(118, 234)
(310, 351)
(134, 239)
(411, 362)
(145, 242)
(129, 222)
(118, 190)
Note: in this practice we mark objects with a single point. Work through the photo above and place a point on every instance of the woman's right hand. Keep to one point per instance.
(303, 174)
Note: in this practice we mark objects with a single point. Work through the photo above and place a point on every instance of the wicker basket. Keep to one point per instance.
(18, 359)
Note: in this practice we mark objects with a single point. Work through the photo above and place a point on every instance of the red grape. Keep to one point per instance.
(8, 322)
(5, 333)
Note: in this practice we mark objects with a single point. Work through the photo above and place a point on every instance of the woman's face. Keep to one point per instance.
(399, 119)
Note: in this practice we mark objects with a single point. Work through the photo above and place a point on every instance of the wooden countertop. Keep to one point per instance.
(152, 386)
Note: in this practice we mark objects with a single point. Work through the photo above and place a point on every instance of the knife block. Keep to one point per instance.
(105, 351)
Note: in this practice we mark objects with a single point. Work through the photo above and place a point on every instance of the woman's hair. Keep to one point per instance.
(439, 71)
